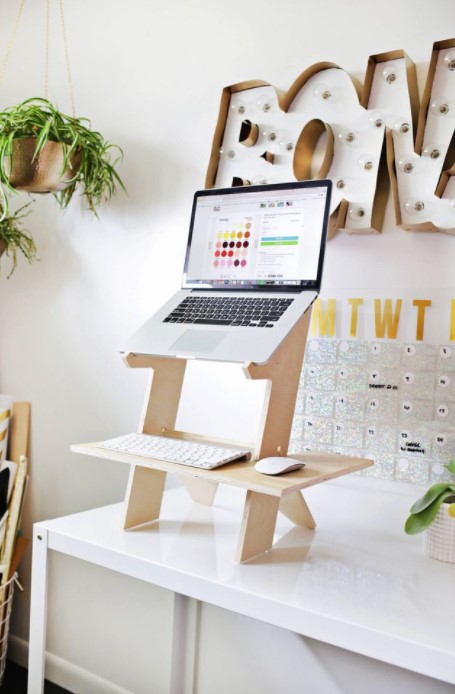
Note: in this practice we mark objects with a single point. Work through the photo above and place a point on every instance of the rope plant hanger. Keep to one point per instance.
(12, 38)
(13, 238)
(43, 150)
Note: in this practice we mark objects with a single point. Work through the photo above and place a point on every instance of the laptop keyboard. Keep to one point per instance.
(172, 450)
(220, 310)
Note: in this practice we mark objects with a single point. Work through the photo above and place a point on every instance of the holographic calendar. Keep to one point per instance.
(389, 401)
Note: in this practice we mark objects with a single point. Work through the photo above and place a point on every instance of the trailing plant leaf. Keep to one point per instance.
(16, 239)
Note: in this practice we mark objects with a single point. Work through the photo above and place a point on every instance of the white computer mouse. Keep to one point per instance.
(278, 465)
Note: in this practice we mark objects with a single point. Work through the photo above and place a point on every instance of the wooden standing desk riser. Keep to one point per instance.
(265, 495)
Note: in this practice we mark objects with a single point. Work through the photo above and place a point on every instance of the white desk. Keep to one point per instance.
(357, 582)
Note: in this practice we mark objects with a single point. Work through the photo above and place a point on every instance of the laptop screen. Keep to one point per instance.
(256, 236)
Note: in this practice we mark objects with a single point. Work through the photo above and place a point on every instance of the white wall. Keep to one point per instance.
(149, 75)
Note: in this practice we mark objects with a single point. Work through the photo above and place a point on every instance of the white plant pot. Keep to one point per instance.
(440, 536)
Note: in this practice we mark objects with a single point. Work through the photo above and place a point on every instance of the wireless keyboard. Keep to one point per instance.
(201, 455)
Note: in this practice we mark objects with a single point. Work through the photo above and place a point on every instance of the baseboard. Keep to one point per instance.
(62, 672)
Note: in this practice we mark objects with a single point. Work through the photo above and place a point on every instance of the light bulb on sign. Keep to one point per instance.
(366, 162)
(390, 74)
(441, 106)
(346, 137)
(410, 163)
(286, 143)
(376, 119)
(343, 184)
(357, 213)
(401, 126)
(431, 151)
(265, 104)
(270, 135)
(323, 92)
(449, 59)
(415, 207)
(239, 107)
(229, 153)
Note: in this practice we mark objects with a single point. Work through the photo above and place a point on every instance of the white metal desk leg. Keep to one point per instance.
(185, 629)
(38, 612)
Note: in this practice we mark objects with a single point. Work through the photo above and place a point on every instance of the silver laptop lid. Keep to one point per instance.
(251, 238)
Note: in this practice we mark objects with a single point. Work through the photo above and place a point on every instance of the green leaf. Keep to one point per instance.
(419, 521)
(451, 466)
(42, 138)
(414, 525)
(16, 238)
(432, 494)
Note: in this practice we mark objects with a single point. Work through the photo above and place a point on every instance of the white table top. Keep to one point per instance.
(357, 582)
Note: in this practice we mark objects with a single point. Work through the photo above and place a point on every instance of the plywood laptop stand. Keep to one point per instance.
(265, 495)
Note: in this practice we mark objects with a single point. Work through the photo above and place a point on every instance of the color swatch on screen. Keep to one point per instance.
(232, 245)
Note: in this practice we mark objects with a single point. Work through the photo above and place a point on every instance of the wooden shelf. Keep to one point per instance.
(319, 467)
(265, 495)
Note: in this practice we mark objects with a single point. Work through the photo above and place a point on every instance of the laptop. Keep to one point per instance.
(253, 266)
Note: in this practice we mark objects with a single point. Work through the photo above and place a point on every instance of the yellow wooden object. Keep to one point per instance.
(265, 495)
(13, 547)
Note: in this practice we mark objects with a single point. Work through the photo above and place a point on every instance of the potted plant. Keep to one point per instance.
(43, 150)
(434, 512)
(14, 238)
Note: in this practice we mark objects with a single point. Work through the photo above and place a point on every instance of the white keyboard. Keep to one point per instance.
(172, 450)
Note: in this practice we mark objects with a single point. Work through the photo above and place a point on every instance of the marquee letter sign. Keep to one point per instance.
(327, 125)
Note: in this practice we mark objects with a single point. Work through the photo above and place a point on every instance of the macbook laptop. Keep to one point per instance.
(253, 266)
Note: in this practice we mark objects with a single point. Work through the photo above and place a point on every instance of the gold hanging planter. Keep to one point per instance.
(37, 142)
(44, 173)
(35, 139)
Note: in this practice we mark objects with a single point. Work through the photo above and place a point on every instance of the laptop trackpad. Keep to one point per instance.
(198, 340)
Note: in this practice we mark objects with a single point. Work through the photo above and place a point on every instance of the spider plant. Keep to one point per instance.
(14, 238)
(88, 157)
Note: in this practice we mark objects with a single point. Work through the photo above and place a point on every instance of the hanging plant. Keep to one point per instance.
(14, 239)
(43, 150)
